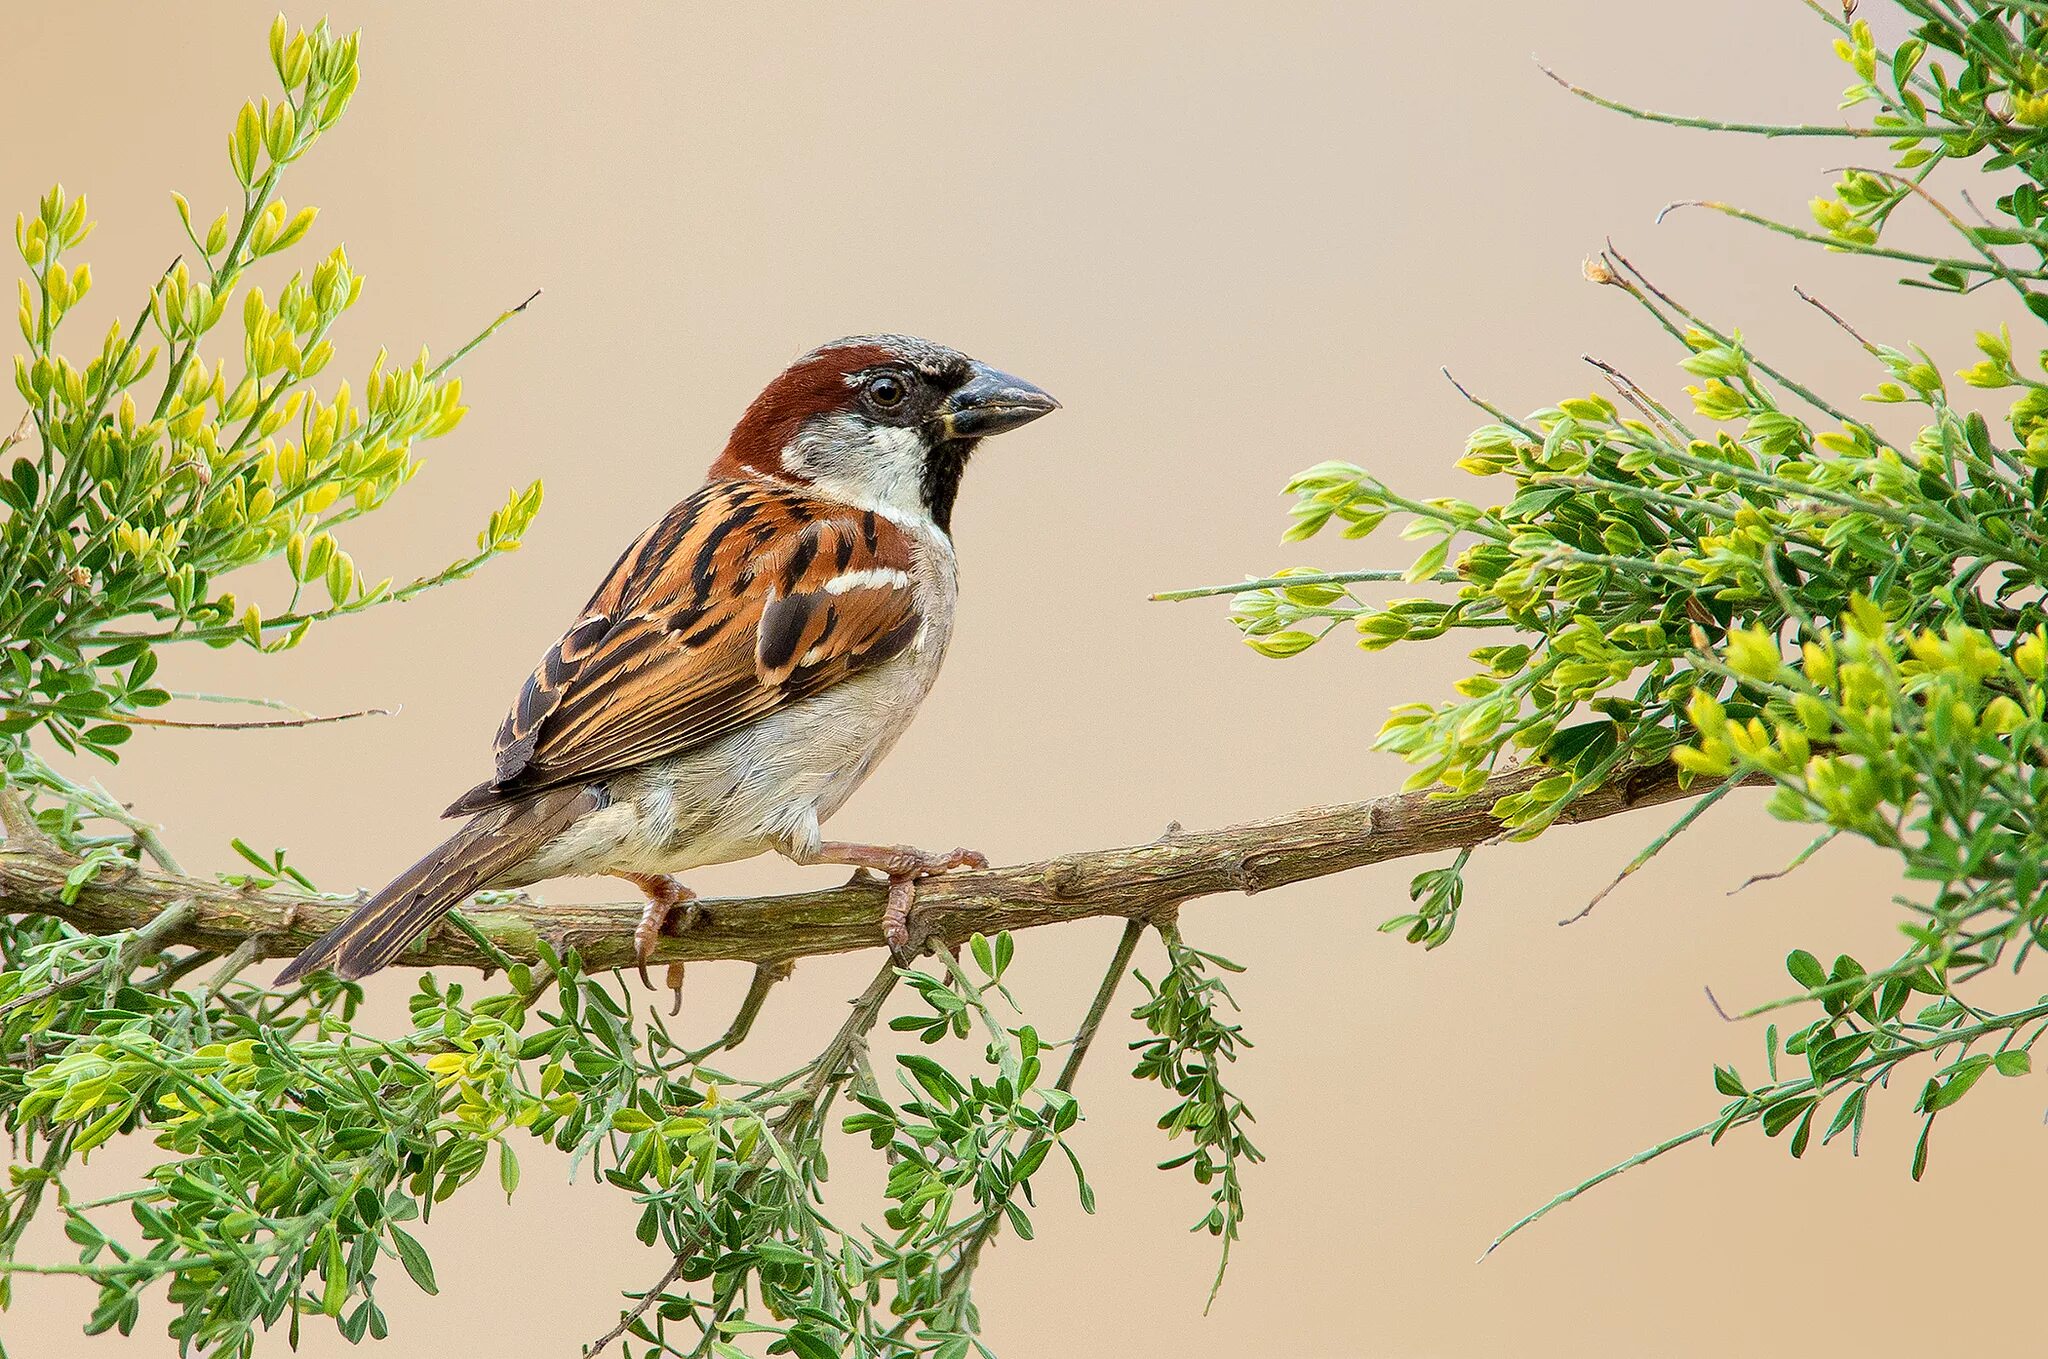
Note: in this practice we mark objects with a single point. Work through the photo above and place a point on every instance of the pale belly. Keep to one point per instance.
(767, 787)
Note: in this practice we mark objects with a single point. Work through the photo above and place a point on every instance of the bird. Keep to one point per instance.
(745, 665)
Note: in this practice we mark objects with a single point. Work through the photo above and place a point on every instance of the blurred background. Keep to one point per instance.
(1235, 240)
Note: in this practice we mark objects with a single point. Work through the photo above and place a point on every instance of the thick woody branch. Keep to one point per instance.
(1134, 882)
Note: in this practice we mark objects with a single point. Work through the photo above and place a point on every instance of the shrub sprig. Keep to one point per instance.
(1764, 586)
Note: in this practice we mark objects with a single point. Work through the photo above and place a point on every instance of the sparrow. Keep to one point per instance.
(745, 665)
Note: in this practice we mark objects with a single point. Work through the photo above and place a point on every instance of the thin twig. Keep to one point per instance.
(202, 696)
(1306, 578)
(765, 977)
(170, 975)
(1496, 412)
(1759, 129)
(266, 724)
(1820, 842)
(1871, 249)
(1559, 1200)
(104, 804)
(245, 954)
(1648, 407)
(1991, 257)
(1119, 963)
(1833, 315)
(1649, 852)
(1777, 375)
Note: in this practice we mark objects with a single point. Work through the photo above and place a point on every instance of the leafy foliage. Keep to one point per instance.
(1766, 586)
(136, 505)
(300, 1154)
(1190, 1044)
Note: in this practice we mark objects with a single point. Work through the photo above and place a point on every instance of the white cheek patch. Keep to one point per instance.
(897, 456)
(871, 467)
(872, 577)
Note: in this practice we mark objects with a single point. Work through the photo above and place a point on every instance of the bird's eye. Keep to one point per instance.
(886, 391)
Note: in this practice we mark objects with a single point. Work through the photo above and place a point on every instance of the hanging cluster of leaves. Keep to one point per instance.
(299, 1154)
(1766, 586)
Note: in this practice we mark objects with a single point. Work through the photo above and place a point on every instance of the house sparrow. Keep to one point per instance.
(746, 664)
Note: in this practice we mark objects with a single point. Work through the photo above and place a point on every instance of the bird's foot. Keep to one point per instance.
(665, 898)
(903, 867)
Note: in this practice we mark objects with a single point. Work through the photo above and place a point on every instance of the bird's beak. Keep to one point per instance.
(989, 402)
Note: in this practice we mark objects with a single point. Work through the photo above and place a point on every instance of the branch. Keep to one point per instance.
(1135, 882)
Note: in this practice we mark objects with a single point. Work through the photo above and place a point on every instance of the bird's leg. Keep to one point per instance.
(903, 866)
(664, 895)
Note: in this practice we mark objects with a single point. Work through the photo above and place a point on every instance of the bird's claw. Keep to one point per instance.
(896, 914)
(666, 899)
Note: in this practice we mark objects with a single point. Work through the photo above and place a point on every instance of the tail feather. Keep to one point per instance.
(490, 845)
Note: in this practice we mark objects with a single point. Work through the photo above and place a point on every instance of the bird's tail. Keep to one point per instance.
(489, 845)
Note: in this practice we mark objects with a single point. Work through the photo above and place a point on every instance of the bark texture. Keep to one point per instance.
(1142, 881)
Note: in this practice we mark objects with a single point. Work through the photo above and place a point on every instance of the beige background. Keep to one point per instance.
(1235, 240)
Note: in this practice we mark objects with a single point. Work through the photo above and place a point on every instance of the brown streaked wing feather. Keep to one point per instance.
(716, 616)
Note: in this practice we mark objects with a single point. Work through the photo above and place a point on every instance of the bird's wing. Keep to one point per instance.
(746, 597)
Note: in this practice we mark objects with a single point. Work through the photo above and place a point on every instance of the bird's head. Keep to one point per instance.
(883, 422)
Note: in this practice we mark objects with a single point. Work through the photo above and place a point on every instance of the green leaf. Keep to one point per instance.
(1805, 969)
(938, 1082)
(335, 1292)
(508, 1169)
(1779, 1116)
(808, 1344)
(414, 1257)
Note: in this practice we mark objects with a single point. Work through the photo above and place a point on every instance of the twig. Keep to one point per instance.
(1833, 315)
(1759, 129)
(244, 955)
(1777, 375)
(1820, 842)
(1305, 578)
(171, 974)
(1991, 257)
(1678, 828)
(1496, 412)
(1558, 1201)
(1647, 406)
(266, 724)
(1119, 963)
(202, 696)
(1875, 251)
(765, 977)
